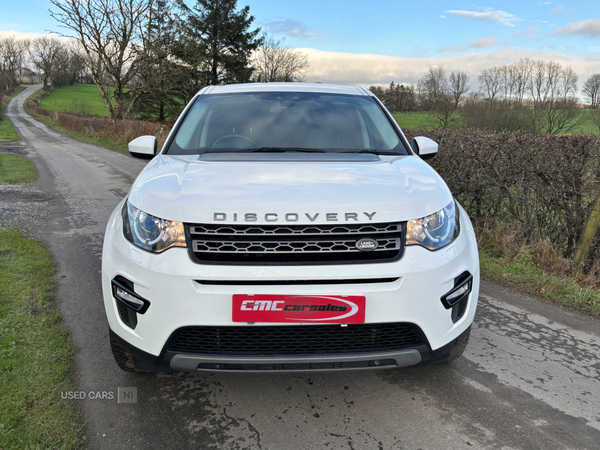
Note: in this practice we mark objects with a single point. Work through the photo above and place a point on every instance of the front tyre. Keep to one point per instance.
(459, 349)
(122, 357)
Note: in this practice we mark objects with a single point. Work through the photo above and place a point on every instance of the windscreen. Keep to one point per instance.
(285, 121)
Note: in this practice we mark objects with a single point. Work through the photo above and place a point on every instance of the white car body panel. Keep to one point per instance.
(188, 190)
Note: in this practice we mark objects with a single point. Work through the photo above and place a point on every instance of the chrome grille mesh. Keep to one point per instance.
(293, 244)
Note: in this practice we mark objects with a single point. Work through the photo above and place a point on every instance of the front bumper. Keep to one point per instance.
(171, 362)
(410, 293)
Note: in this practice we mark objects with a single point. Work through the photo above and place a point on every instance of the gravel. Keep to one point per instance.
(22, 206)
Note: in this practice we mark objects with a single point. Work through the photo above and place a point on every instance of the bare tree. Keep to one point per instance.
(522, 73)
(507, 81)
(538, 97)
(77, 61)
(434, 86)
(568, 83)
(106, 30)
(275, 61)
(445, 115)
(458, 86)
(544, 83)
(12, 54)
(44, 53)
(441, 97)
(591, 90)
(420, 94)
(552, 89)
(490, 80)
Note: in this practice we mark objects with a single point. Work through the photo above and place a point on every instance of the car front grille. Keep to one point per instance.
(296, 339)
(293, 244)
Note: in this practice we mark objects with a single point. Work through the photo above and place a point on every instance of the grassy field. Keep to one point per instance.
(16, 170)
(416, 121)
(36, 352)
(588, 126)
(79, 99)
(7, 131)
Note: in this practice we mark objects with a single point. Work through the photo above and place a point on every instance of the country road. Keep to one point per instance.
(530, 378)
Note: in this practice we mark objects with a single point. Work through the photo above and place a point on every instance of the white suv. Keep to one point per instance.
(287, 227)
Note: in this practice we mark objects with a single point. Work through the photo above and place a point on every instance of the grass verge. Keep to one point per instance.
(35, 352)
(104, 142)
(16, 170)
(7, 131)
(522, 274)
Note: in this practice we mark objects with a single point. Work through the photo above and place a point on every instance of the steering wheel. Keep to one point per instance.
(233, 137)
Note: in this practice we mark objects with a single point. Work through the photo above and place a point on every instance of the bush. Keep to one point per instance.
(503, 117)
(539, 187)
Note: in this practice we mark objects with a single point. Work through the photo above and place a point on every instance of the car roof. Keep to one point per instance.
(283, 87)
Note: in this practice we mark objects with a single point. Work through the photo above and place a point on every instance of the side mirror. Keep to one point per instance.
(144, 147)
(424, 147)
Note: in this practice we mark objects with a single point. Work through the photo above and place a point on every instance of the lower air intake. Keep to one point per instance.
(296, 339)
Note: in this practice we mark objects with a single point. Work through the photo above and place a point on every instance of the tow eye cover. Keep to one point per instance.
(367, 245)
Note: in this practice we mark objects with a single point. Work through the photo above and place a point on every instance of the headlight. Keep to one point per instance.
(436, 230)
(149, 232)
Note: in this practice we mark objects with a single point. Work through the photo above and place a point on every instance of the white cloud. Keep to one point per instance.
(488, 16)
(590, 27)
(369, 69)
(528, 32)
(479, 43)
(21, 35)
(292, 28)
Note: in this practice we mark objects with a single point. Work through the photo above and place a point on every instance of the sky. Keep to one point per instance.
(374, 43)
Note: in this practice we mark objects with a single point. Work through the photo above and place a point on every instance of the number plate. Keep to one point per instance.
(299, 308)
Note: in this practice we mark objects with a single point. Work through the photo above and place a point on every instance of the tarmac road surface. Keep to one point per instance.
(530, 378)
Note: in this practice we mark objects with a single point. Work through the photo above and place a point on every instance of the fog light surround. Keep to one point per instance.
(463, 284)
(122, 290)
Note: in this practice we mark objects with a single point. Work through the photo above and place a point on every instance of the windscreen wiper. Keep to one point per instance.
(373, 152)
(281, 150)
